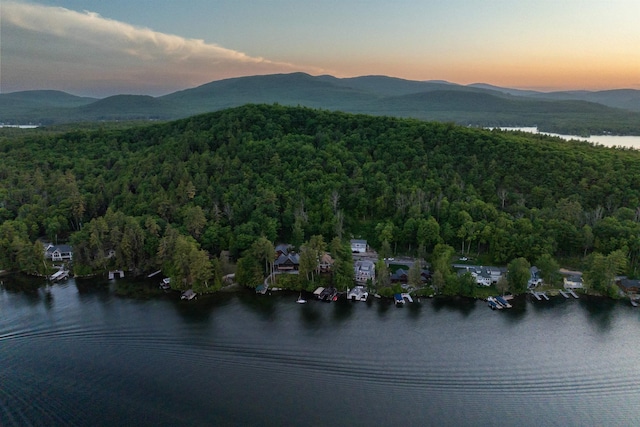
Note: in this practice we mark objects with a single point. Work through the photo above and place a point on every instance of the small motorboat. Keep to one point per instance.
(301, 300)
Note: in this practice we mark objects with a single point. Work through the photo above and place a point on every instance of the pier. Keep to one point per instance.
(564, 294)
(59, 275)
(535, 294)
(500, 300)
(407, 297)
(573, 294)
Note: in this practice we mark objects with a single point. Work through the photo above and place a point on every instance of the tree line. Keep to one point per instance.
(175, 195)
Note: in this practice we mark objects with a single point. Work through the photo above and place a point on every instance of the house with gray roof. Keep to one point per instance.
(58, 252)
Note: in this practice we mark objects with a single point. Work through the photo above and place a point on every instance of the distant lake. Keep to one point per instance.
(75, 354)
(606, 140)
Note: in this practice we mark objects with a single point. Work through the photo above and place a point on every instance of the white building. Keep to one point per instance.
(359, 246)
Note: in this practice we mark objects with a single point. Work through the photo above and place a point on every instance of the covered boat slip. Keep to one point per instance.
(358, 293)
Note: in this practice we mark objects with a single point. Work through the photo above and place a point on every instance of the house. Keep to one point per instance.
(58, 252)
(534, 279)
(364, 270)
(484, 276)
(402, 276)
(629, 286)
(289, 262)
(358, 246)
(573, 281)
(326, 263)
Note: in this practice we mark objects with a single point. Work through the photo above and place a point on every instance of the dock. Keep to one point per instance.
(358, 293)
(503, 302)
(564, 294)
(154, 273)
(573, 294)
(536, 295)
(544, 295)
(59, 275)
(188, 295)
(493, 304)
(634, 302)
(407, 297)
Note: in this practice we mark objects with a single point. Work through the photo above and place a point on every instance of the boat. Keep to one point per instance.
(165, 284)
(398, 300)
(301, 300)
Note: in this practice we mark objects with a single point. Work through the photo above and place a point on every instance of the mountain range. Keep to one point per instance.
(575, 112)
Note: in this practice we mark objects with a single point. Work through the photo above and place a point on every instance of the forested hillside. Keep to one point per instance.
(174, 195)
(569, 113)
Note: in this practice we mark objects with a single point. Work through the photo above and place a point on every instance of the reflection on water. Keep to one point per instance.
(77, 354)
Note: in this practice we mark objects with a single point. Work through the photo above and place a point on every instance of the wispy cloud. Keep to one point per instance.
(82, 52)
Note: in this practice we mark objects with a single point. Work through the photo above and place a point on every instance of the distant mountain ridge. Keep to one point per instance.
(611, 111)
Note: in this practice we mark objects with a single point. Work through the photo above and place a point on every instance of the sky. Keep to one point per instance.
(100, 48)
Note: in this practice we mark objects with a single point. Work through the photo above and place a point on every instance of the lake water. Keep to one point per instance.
(76, 355)
(627, 141)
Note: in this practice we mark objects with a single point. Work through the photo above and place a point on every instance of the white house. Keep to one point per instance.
(58, 252)
(359, 246)
(484, 276)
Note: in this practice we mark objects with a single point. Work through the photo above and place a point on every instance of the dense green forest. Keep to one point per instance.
(174, 195)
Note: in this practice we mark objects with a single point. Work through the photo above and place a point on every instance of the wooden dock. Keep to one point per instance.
(564, 294)
(573, 294)
(535, 294)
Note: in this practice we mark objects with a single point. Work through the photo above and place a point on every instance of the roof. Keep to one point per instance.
(361, 241)
(59, 248)
(326, 258)
(283, 247)
(630, 283)
(287, 259)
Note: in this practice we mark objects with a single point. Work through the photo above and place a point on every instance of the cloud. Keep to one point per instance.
(82, 52)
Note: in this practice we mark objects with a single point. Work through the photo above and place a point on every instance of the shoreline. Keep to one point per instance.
(137, 288)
